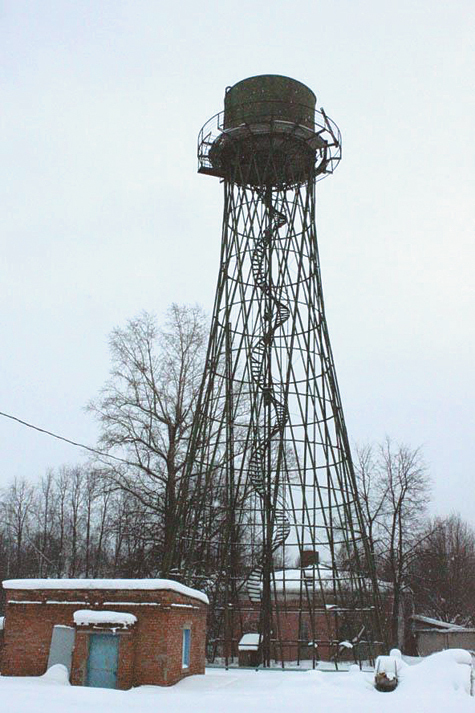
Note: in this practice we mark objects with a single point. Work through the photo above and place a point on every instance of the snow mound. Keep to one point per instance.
(396, 653)
(85, 617)
(245, 691)
(57, 674)
(444, 671)
(317, 676)
(457, 655)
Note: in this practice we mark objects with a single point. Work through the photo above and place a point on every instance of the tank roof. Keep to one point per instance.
(273, 76)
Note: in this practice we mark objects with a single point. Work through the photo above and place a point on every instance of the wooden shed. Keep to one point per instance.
(113, 633)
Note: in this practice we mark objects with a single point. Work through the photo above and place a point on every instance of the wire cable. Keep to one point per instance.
(62, 438)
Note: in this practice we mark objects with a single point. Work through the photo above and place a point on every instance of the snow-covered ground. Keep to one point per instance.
(439, 684)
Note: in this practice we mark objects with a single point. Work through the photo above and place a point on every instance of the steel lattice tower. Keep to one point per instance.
(275, 528)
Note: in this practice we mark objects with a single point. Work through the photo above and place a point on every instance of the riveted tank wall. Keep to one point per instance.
(266, 97)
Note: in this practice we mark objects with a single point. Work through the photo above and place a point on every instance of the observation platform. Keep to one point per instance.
(269, 134)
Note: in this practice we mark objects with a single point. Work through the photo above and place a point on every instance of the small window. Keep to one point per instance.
(185, 662)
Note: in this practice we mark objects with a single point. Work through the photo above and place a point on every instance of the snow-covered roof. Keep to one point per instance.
(85, 617)
(133, 584)
(320, 576)
(249, 642)
(436, 623)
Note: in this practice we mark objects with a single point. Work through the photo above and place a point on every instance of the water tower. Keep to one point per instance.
(275, 531)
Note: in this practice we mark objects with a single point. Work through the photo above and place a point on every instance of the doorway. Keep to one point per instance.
(102, 661)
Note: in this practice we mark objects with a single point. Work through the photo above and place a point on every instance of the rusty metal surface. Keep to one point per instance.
(269, 96)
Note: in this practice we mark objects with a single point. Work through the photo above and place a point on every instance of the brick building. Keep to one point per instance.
(326, 628)
(115, 633)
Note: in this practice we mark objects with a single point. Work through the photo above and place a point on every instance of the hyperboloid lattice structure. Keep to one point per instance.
(275, 528)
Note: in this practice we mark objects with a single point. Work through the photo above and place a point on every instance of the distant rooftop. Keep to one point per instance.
(320, 576)
(437, 623)
(249, 642)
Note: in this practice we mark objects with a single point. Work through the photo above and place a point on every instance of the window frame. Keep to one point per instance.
(186, 646)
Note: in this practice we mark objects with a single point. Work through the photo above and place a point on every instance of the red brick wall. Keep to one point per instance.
(79, 660)
(328, 629)
(180, 619)
(151, 653)
(28, 629)
(287, 626)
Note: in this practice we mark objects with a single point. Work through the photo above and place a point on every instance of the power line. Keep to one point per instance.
(62, 438)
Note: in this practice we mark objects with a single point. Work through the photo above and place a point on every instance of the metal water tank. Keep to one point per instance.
(269, 97)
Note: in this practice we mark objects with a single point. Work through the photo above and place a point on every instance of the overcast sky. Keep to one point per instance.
(104, 215)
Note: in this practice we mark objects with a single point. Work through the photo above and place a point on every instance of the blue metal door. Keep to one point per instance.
(102, 661)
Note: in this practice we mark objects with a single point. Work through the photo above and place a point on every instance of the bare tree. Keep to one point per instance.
(62, 483)
(16, 512)
(61, 526)
(46, 509)
(77, 492)
(443, 571)
(146, 409)
(394, 490)
(102, 503)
